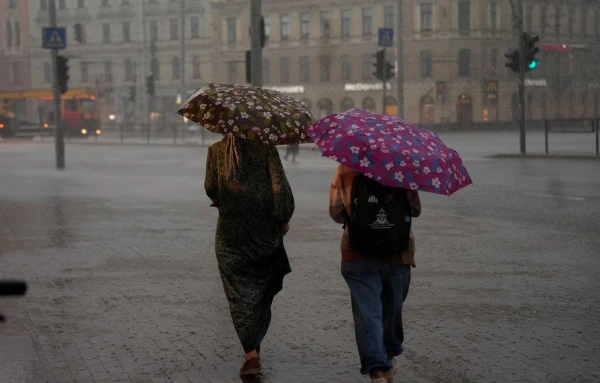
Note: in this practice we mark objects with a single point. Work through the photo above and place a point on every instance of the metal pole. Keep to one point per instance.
(384, 80)
(399, 59)
(182, 54)
(519, 15)
(256, 49)
(59, 141)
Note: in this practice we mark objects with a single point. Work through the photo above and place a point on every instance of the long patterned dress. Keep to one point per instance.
(246, 181)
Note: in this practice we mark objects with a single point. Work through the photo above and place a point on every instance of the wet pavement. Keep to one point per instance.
(124, 287)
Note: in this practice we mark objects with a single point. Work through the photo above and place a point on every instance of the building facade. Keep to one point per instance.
(323, 52)
(122, 43)
(14, 45)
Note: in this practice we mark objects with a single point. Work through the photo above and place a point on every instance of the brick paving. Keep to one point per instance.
(124, 286)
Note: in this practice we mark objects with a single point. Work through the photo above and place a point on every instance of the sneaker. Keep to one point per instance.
(389, 374)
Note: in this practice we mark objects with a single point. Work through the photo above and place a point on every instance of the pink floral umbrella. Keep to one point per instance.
(390, 151)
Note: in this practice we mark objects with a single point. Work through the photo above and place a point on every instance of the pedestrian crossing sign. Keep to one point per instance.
(386, 37)
(54, 38)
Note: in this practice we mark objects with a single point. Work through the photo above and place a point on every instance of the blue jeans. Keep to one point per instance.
(378, 290)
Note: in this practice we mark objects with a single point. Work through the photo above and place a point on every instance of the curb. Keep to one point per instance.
(588, 157)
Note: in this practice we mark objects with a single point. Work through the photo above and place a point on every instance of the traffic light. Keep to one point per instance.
(78, 32)
(150, 85)
(513, 60)
(389, 71)
(530, 49)
(62, 73)
(531, 62)
(379, 65)
(132, 93)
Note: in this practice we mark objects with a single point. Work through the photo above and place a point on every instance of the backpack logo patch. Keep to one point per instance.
(373, 199)
(381, 222)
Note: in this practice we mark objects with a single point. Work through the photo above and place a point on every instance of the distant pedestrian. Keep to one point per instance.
(245, 180)
(292, 150)
(377, 255)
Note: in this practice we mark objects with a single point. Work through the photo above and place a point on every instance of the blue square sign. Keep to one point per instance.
(386, 37)
(54, 38)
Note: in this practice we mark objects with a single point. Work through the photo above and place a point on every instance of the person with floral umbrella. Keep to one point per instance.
(246, 182)
(384, 162)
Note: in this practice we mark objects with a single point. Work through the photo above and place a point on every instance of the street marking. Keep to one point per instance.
(555, 196)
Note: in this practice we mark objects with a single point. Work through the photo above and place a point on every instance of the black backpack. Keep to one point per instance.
(381, 220)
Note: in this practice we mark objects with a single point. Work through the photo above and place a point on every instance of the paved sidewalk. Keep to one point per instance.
(124, 287)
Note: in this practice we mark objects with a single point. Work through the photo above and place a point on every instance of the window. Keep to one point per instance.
(305, 26)
(346, 19)
(47, 73)
(325, 68)
(128, 70)
(232, 72)
(266, 71)
(388, 16)
(464, 63)
(153, 30)
(155, 68)
(61, 4)
(367, 21)
(104, 3)
(557, 21)
(346, 104)
(543, 19)
(464, 16)
(493, 16)
(9, 34)
(346, 68)
(197, 66)
(71, 105)
(195, 27)
(493, 62)
(84, 72)
(43, 5)
(426, 64)
(368, 104)
(231, 30)
(267, 27)
(571, 20)
(106, 33)
(17, 28)
(80, 4)
(304, 69)
(12, 4)
(325, 21)
(175, 68)
(174, 29)
(126, 32)
(367, 66)
(426, 17)
(584, 16)
(284, 70)
(284, 24)
(108, 74)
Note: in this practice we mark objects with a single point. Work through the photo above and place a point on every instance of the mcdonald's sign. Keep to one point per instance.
(491, 88)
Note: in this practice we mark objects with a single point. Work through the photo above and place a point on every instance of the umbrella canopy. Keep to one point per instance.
(390, 151)
(249, 112)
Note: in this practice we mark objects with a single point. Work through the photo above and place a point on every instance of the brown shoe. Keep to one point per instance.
(251, 367)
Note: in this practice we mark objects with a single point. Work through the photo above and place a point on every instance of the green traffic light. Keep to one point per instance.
(532, 65)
